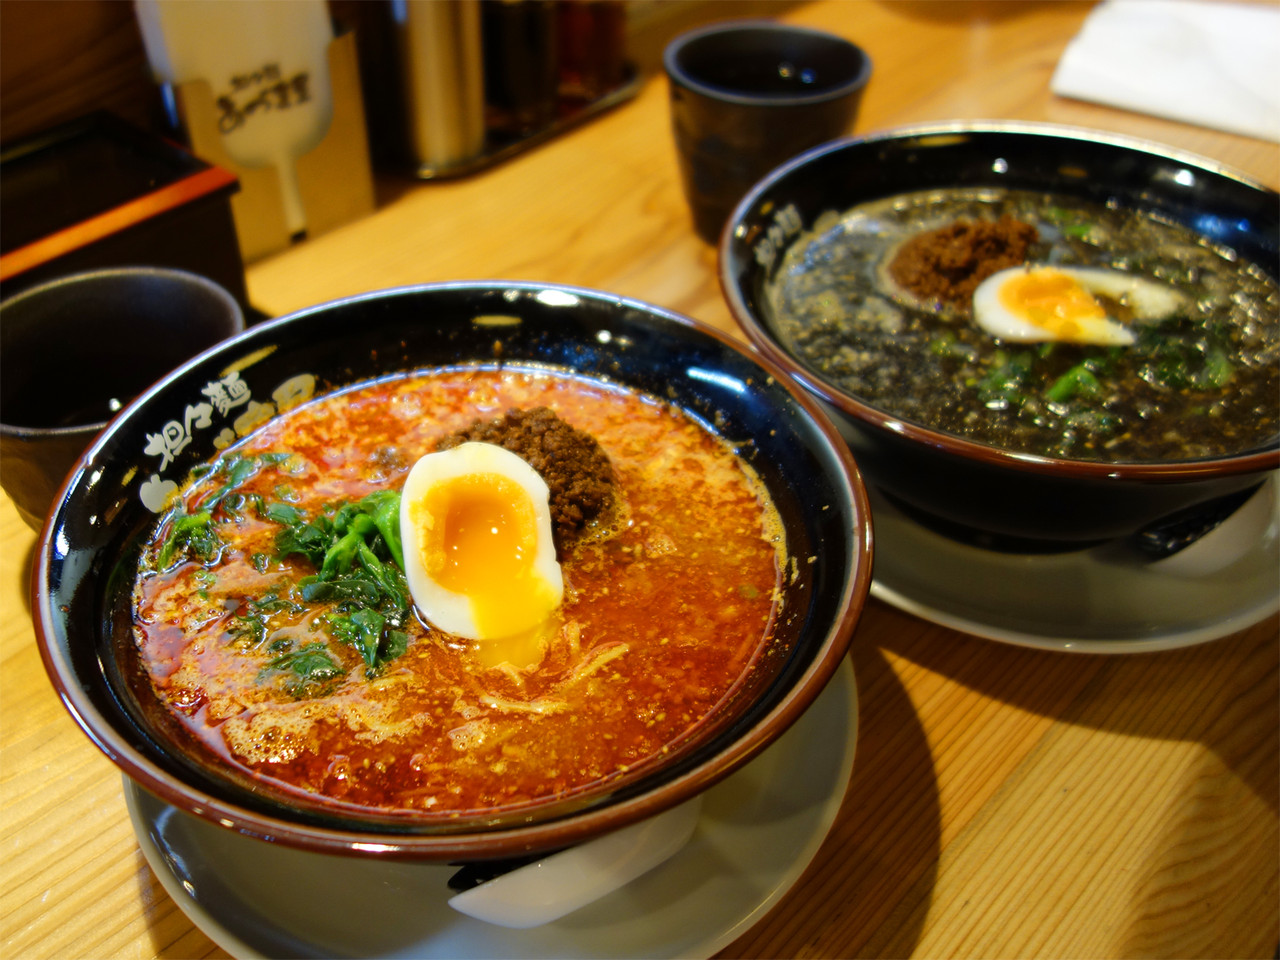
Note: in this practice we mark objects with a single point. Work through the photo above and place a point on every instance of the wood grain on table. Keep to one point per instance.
(1005, 801)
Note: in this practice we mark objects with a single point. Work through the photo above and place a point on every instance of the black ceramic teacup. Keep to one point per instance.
(76, 350)
(747, 95)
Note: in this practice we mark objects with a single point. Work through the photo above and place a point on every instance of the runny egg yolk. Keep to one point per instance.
(1043, 303)
(1053, 300)
(479, 559)
(479, 538)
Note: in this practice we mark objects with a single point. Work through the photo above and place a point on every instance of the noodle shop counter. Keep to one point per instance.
(1039, 791)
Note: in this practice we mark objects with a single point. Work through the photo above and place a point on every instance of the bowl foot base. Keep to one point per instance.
(985, 539)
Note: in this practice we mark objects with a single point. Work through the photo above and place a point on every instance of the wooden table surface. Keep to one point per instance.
(1005, 801)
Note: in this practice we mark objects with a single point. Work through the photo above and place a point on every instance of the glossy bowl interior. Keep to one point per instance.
(975, 492)
(87, 553)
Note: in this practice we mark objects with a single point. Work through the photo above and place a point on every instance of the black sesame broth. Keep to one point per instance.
(1203, 383)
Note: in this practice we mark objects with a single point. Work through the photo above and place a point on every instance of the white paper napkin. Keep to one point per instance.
(1216, 64)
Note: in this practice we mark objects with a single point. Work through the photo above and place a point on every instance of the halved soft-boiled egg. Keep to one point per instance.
(1034, 303)
(476, 526)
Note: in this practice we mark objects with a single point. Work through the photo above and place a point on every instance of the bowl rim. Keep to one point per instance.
(508, 841)
(755, 329)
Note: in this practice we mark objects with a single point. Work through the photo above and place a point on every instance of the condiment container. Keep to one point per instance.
(443, 79)
(267, 65)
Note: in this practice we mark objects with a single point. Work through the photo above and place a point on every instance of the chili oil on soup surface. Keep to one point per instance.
(661, 619)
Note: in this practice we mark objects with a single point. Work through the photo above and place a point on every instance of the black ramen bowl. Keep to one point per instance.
(975, 492)
(89, 547)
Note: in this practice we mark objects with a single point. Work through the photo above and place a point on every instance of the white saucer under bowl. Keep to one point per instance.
(758, 830)
(1102, 600)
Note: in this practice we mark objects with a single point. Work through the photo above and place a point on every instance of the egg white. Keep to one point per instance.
(462, 613)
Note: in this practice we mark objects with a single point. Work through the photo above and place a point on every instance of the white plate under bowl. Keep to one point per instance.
(758, 830)
(1102, 600)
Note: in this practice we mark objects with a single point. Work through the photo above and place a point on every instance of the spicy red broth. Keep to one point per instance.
(663, 617)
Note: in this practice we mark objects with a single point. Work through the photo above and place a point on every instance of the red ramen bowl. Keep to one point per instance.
(88, 552)
(848, 210)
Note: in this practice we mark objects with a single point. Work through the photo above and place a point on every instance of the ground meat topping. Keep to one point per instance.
(947, 264)
(570, 461)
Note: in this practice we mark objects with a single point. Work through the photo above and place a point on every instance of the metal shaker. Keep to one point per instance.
(443, 75)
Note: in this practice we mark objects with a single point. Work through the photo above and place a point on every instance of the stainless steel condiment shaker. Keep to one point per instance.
(443, 75)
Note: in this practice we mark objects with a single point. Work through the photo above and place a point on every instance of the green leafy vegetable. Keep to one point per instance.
(1070, 222)
(309, 538)
(1185, 357)
(308, 670)
(353, 588)
(358, 554)
(193, 532)
(197, 532)
(1216, 372)
(253, 626)
(367, 631)
(1079, 381)
(386, 517)
(1003, 386)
